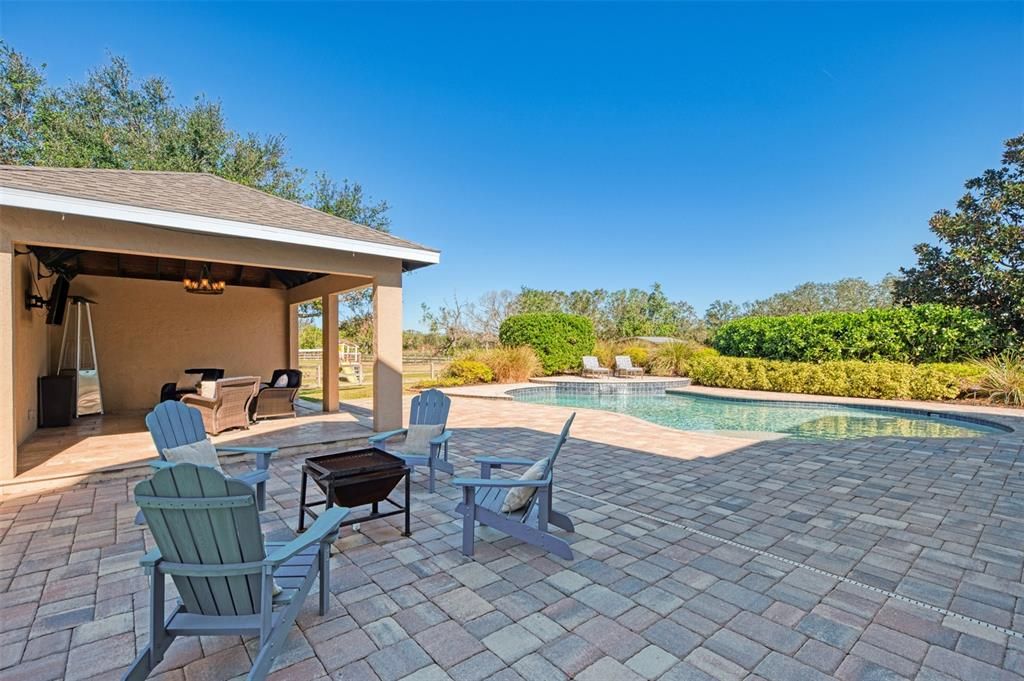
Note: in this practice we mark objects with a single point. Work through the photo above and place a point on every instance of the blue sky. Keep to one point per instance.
(724, 150)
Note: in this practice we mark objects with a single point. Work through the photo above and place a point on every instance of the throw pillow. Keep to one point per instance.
(282, 381)
(518, 497)
(417, 439)
(207, 388)
(200, 453)
(186, 381)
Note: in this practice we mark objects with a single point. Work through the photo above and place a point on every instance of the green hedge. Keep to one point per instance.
(850, 378)
(560, 340)
(922, 333)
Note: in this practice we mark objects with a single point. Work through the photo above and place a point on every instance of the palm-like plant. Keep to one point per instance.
(1004, 377)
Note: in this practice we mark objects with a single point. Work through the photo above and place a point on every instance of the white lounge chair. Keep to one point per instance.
(592, 368)
(624, 367)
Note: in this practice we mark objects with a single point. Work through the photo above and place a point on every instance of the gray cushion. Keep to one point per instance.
(518, 497)
(200, 453)
(417, 439)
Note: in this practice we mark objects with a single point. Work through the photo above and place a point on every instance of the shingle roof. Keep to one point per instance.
(193, 194)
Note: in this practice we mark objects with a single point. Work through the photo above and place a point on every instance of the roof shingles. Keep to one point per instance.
(192, 194)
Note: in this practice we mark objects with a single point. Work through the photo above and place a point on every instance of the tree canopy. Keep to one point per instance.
(112, 120)
(979, 260)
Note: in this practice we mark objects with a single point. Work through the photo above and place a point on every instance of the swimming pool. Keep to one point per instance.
(812, 421)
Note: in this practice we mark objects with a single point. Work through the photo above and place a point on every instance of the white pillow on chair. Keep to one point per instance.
(518, 497)
(417, 439)
(200, 453)
(282, 381)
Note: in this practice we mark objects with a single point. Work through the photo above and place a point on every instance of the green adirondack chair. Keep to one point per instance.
(208, 539)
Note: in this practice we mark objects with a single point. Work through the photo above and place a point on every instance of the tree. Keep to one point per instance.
(979, 260)
(310, 336)
(450, 321)
(20, 85)
(530, 300)
(487, 314)
(110, 120)
(721, 311)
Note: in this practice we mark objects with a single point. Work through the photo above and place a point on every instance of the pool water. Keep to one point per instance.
(809, 422)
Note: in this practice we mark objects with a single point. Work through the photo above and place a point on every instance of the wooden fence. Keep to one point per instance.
(418, 366)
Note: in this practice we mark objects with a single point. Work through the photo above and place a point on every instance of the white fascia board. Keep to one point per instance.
(22, 198)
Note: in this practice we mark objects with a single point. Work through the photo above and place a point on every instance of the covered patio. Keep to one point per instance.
(127, 240)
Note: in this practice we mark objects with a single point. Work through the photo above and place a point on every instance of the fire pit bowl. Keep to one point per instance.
(357, 478)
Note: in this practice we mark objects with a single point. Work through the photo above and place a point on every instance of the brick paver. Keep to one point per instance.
(655, 591)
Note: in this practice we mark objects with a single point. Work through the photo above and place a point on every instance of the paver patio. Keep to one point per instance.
(860, 559)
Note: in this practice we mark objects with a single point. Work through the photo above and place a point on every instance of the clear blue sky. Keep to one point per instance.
(724, 150)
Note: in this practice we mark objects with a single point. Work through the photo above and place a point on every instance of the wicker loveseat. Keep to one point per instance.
(273, 400)
(228, 405)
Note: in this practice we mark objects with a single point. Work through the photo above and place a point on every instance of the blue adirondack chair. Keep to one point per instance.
(173, 424)
(482, 497)
(429, 408)
(208, 539)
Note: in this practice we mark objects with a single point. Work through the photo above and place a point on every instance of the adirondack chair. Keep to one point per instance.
(173, 424)
(482, 497)
(208, 539)
(429, 408)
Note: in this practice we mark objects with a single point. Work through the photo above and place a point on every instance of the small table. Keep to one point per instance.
(356, 478)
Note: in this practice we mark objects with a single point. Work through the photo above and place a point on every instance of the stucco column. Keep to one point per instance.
(293, 335)
(8, 437)
(387, 343)
(330, 352)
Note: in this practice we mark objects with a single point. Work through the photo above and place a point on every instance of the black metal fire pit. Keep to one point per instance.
(357, 478)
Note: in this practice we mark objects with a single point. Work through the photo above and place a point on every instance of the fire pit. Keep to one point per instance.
(357, 478)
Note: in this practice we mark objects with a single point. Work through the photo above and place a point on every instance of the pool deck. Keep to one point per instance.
(695, 558)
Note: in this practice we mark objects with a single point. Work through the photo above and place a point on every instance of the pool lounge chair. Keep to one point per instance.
(624, 367)
(593, 369)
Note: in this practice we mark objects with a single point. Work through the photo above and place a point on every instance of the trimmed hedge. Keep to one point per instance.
(922, 333)
(560, 340)
(850, 378)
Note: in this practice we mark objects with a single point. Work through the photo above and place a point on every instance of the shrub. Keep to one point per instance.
(1002, 377)
(848, 378)
(447, 382)
(509, 365)
(673, 359)
(469, 371)
(605, 352)
(560, 340)
(922, 333)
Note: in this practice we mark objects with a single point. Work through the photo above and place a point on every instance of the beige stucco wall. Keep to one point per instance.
(30, 346)
(148, 332)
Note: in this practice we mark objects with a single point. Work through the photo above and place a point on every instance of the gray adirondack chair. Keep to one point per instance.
(482, 497)
(208, 539)
(429, 408)
(173, 424)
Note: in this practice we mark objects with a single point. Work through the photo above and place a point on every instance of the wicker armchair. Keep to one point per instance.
(229, 405)
(272, 401)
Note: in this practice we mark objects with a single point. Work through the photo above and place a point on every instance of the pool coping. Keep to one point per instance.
(994, 421)
(916, 411)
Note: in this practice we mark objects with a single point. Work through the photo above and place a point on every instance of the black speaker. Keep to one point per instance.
(56, 401)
